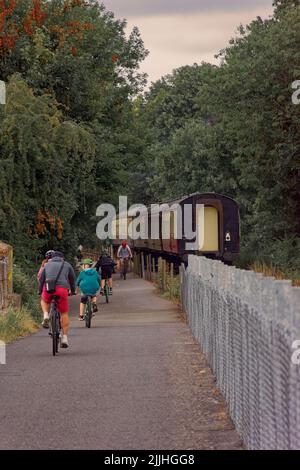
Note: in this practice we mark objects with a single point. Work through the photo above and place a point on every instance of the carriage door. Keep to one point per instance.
(209, 241)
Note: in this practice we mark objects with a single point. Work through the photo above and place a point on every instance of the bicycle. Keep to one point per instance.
(106, 290)
(124, 268)
(54, 324)
(88, 312)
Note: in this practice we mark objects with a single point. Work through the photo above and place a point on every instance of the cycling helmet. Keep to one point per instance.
(124, 243)
(87, 261)
(49, 254)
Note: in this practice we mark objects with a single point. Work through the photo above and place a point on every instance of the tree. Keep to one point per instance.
(72, 72)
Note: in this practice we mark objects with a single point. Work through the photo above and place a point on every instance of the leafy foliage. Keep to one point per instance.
(71, 73)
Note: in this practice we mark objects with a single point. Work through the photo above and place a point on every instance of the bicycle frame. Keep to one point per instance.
(106, 290)
(124, 266)
(54, 324)
(88, 312)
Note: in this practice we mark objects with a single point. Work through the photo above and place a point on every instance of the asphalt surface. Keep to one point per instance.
(136, 380)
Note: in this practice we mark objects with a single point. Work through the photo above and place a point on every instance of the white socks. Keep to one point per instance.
(46, 315)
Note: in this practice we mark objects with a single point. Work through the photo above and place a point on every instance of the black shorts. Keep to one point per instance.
(106, 272)
(84, 298)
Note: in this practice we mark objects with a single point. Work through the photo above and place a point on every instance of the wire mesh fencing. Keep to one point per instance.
(247, 326)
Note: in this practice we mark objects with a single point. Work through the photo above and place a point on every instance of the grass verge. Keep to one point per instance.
(168, 286)
(16, 324)
(276, 272)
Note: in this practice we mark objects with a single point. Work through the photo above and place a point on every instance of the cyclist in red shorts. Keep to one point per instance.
(64, 284)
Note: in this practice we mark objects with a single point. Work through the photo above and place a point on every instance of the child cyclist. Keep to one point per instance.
(88, 282)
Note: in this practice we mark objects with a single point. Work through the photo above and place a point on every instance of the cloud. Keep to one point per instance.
(181, 32)
(176, 40)
(125, 8)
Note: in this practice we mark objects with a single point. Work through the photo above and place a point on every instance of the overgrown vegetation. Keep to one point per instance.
(15, 324)
(18, 322)
(167, 283)
(67, 137)
(26, 286)
(277, 273)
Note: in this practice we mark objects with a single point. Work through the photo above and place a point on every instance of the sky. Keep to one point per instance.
(184, 32)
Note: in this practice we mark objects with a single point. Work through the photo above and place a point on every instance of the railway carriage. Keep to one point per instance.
(214, 216)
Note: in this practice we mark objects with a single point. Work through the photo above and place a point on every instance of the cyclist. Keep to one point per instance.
(64, 284)
(124, 252)
(89, 283)
(48, 256)
(107, 264)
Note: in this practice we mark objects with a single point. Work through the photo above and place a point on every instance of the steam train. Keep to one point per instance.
(213, 215)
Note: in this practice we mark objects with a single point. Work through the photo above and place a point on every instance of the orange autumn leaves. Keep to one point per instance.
(10, 31)
(71, 29)
(34, 19)
(46, 222)
(9, 37)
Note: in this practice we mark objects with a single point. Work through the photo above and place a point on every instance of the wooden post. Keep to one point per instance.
(140, 265)
(164, 275)
(143, 265)
(6, 274)
(153, 267)
(147, 267)
(159, 273)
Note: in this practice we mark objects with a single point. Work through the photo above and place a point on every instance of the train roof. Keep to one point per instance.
(204, 195)
(178, 201)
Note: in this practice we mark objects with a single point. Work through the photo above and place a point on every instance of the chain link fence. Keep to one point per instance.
(246, 325)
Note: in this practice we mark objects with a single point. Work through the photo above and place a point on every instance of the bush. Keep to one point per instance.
(15, 324)
(168, 285)
(26, 286)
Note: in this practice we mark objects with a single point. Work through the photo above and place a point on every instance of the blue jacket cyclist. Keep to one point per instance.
(88, 282)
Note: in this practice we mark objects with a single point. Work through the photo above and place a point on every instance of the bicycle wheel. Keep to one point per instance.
(57, 336)
(53, 329)
(125, 268)
(88, 313)
(106, 292)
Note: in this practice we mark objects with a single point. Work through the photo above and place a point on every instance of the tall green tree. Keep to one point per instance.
(73, 72)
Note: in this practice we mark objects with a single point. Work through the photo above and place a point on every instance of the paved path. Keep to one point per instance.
(135, 380)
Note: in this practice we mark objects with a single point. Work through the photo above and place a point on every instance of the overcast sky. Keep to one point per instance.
(181, 32)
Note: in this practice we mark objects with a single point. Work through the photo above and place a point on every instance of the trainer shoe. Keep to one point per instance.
(64, 341)
(110, 291)
(94, 307)
(45, 323)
